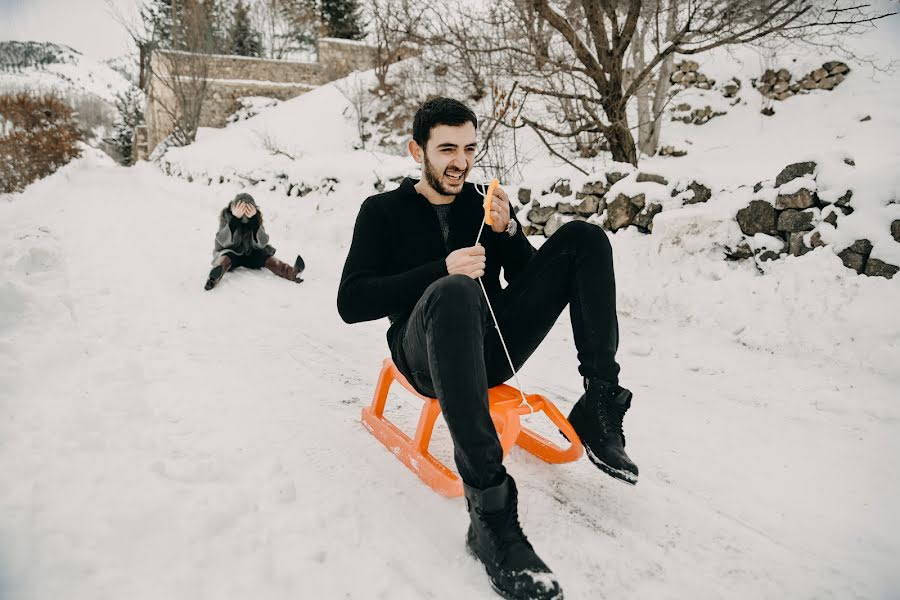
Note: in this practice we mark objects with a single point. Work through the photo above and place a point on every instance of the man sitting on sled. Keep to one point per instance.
(412, 259)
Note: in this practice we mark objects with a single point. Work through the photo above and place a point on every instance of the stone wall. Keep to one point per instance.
(340, 57)
(552, 208)
(223, 95)
(777, 85)
(794, 224)
(786, 216)
(232, 77)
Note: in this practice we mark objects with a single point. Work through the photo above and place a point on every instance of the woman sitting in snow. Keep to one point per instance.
(243, 242)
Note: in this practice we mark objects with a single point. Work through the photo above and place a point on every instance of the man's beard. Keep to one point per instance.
(434, 179)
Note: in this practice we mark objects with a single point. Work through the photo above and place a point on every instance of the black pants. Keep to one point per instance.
(255, 259)
(451, 350)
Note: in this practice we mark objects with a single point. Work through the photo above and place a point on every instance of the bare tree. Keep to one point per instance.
(581, 62)
(287, 26)
(461, 40)
(355, 89)
(175, 38)
(592, 40)
(184, 78)
(394, 22)
(657, 25)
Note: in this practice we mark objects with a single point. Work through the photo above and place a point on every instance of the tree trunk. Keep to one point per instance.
(621, 142)
(642, 94)
(663, 84)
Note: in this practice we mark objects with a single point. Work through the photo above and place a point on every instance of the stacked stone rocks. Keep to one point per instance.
(545, 220)
(777, 85)
(698, 116)
(687, 74)
(731, 89)
(594, 203)
(794, 219)
(671, 151)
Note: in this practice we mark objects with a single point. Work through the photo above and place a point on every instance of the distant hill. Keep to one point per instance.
(45, 66)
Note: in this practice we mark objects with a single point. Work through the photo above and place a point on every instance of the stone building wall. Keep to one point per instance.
(222, 97)
(232, 77)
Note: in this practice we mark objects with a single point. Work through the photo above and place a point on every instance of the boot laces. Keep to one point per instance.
(615, 414)
(610, 414)
(506, 527)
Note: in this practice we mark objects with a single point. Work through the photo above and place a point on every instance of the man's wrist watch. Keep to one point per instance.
(512, 227)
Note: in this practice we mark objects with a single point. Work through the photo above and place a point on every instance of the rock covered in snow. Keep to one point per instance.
(777, 85)
(793, 171)
(878, 268)
(800, 199)
(793, 220)
(758, 217)
(622, 211)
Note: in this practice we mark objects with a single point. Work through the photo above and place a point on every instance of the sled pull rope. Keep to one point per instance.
(488, 193)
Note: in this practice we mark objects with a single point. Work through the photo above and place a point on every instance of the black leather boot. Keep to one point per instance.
(597, 419)
(217, 272)
(496, 539)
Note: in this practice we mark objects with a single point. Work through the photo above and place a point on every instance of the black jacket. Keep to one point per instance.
(398, 250)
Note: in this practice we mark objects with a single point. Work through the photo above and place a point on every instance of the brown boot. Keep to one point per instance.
(283, 269)
(217, 273)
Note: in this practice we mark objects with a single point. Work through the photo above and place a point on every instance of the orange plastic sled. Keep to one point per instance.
(506, 409)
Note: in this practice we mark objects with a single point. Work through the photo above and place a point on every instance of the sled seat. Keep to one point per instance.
(506, 409)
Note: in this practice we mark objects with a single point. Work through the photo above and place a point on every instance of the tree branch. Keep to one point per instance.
(634, 10)
(562, 25)
(553, 150)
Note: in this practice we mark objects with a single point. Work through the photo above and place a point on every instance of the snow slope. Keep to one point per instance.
(160, 441)
(71, 73)
(302, 140)
(726, 154)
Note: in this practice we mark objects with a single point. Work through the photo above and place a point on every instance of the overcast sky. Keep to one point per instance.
(86, 25)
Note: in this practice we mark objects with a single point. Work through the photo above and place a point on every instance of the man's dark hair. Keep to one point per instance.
(440, 111)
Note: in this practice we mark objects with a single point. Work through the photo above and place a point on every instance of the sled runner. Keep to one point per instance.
(506, 409)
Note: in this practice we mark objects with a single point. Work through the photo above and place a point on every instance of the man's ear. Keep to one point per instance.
(416, 151)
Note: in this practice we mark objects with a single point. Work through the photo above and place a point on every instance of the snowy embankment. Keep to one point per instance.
(67, 72)
(161, 441)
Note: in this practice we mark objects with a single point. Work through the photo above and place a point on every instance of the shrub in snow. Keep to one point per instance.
(39, 135)
(130, 109)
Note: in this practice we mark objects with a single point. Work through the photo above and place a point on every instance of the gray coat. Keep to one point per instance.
(241, 236)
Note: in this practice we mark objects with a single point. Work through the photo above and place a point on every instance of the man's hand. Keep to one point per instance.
(500, 210)
(467, 261)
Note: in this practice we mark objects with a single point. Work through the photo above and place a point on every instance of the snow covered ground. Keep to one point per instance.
(161, 441)
(72, 75)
